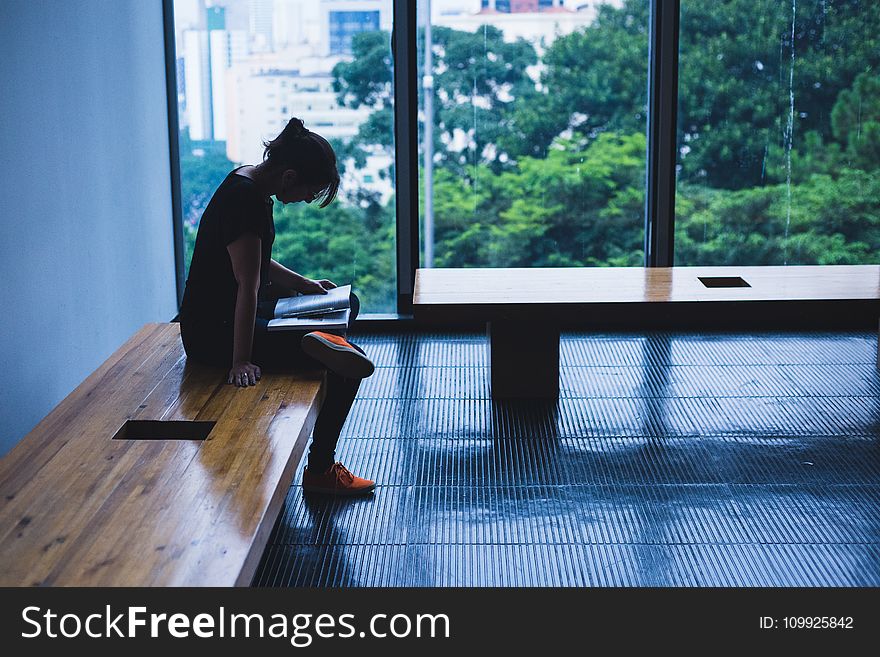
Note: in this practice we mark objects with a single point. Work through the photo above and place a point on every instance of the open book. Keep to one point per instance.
(313, 312)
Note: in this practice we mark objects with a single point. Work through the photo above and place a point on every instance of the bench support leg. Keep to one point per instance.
(524, 360)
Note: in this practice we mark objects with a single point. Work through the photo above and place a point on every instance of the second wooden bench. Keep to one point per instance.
(525, 308)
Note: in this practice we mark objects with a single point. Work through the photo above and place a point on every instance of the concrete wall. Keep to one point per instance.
(86, 237)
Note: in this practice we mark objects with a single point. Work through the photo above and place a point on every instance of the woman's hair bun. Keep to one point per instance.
(295, 128)
(309, 154)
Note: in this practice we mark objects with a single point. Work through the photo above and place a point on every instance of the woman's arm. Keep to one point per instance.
(245, 256)
(286, 278)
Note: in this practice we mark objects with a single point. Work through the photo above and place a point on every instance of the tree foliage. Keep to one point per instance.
(737, 77)
(856, 121)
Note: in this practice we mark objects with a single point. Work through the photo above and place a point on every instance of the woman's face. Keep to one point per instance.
(294, 190)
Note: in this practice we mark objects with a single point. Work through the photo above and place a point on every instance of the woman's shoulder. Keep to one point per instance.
(236, 187)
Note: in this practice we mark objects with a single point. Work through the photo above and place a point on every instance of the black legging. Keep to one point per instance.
(279, 351)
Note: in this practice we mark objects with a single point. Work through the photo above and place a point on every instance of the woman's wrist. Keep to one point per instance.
(243, 329)
(300, 283)
(281, 275)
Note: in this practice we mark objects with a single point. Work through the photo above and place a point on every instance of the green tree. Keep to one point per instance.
(856, 121)
(735, 77)
(343, 242)
(366, 80)
(596, 77)
(478, 77)
(581, 205)
(830, 221)
(738, 76)
(552, 170)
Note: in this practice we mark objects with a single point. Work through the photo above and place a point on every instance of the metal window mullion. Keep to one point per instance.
(174, 146)
(662, 116)
(405, 64)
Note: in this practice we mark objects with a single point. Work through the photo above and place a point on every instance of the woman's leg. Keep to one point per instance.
(283, 349)
(338, 401)
(340, 396)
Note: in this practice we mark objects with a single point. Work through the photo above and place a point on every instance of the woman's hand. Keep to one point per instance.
(244, 374)
(310, 286)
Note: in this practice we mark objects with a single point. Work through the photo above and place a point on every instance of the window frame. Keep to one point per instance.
(174, 147)
(662, 124)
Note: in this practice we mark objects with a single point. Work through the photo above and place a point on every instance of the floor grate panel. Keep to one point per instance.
(670, 459)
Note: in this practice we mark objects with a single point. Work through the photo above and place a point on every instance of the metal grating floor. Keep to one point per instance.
(670, 459)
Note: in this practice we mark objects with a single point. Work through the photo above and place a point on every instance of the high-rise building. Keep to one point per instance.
(537, 21)
(215, 18)
(450, 7)
(226, 49)
(180, 71)
(520, 6)
(345, 24)
(260, 25)
(342, 19)
(496, 5)
(197, 84)
(207, 55)
(188, 15)
(440, 7)
(290, 20)
(283, 93)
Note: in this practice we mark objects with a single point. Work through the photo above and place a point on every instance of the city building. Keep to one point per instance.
(265, 90)
(342, 19)
(537, 21)
(261, 21)
(284, 92)
(206, 54)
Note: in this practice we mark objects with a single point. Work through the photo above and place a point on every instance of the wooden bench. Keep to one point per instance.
(525, 308)
(112, 489)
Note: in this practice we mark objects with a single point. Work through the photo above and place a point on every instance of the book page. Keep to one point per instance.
(310, 304)
(328, 321)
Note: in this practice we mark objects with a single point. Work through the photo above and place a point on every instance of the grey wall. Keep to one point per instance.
(86, 248)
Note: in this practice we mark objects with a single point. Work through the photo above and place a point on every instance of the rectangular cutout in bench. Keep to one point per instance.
(723, 281)
(164, 430)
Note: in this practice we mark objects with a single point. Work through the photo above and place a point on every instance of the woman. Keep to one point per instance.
(233, 284)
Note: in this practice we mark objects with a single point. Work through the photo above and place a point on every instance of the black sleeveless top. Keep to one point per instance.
(236, 208)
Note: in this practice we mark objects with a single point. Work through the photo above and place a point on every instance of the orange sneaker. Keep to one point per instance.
(337, 354)
(337, 480)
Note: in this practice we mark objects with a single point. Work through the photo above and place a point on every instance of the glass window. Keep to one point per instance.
(533, 122)
(345, 24)
(239, 61)
(778, 133)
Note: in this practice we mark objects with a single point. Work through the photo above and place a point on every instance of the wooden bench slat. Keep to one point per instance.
(238, 475)
(23, 461)
(93, 554)
(154, 512)
(566, 286)
(67, 490)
